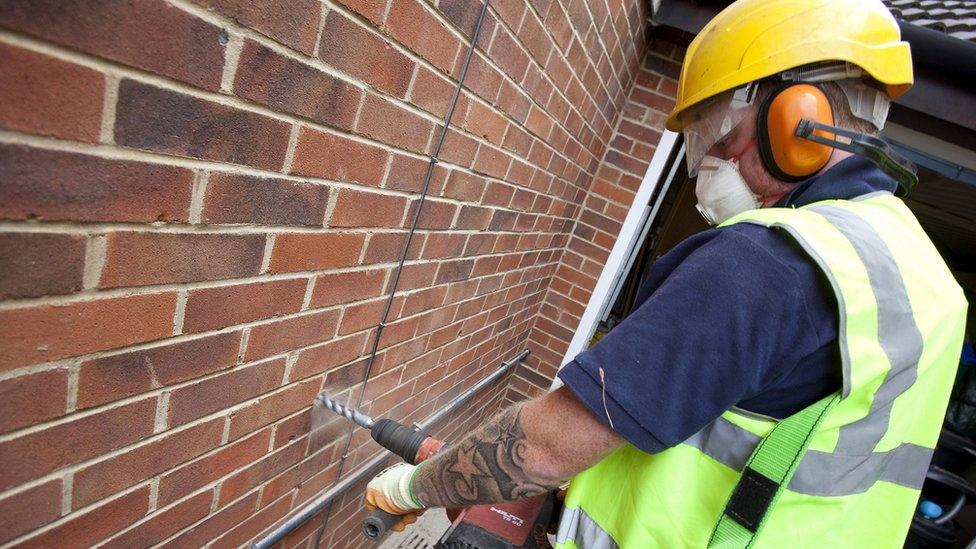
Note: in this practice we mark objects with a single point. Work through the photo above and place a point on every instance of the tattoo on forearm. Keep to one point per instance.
(487, 466)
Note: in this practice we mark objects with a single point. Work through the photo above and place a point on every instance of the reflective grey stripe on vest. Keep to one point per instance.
(576, 526)
(854, 466)
(898, 333)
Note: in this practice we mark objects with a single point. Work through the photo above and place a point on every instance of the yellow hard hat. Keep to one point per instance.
(754, 39)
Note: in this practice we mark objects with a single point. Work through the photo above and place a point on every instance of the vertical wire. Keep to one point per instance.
(406, 248)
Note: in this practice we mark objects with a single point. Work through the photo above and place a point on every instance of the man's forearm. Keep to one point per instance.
(487, 466)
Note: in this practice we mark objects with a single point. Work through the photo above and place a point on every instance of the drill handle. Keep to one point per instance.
(375, 525)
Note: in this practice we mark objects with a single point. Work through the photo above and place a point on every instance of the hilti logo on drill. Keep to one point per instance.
(516, 520)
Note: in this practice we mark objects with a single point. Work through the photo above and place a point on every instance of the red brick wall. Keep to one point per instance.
(201, 206)
(605, 205)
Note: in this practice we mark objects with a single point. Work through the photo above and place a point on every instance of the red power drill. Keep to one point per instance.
(520, 524)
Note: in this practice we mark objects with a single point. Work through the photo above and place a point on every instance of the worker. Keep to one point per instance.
(783, 378)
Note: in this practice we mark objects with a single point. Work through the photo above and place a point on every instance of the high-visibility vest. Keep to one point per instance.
(845, 472)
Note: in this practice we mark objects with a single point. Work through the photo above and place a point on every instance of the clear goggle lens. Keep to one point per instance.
(714, 120)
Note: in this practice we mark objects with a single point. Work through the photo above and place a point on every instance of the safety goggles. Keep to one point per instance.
(713, 120)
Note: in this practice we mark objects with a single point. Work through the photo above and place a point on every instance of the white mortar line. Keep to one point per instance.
(290, 149)
(67, 490)
(153, 494)
(107, 132)
(307, 300)
(95, 248)
(232, 55)
(245, 338)
(72, 396)
(162, 413)
(198, 195)
(268, 250)
(180, 312)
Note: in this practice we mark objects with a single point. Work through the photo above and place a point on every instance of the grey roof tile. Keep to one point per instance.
(954, 17)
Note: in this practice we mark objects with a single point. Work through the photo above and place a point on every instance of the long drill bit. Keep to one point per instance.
(347, 412)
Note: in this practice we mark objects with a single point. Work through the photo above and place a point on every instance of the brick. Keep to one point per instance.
(74, 441)
(464, 15)
(407, 173)
(211, 308)
(444, 245)
(109, 476)
(255, 524)
(336, 288)
(367, 209)
(148, 34)
(450, 271)
(387, 247)
(417, 28)
(207, 469)
(215, 524)
(288, 85)
(165, 121)
(139, 259)
(464, 186)
(258, 472)
(294, 23)
(324, 358)
(266, 410)
(315, 251)
(640, 133)
(485, 122)
(292, 428)
(47, 96)
(492, 162)
(345, 160)
(223, 390)
(391, 124)
(351, 48)
(473, 218)
(432, 92)
(165, 523)
(118, 376)
(662, 66)
(23, 408)
(54, 185)
(507, 53)
(292, 333)
(88, 528)
(236, 198)
(626, 162)
(36, 264)
(374, 10)
(434, 215)
(459, 148)
(29, 509)
(361, 316)
(30, 335)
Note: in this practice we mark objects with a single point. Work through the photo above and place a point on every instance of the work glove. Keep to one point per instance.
(391, 491)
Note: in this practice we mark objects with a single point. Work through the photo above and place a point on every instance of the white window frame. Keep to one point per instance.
(622, 255)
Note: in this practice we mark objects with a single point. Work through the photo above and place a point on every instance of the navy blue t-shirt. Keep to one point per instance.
(732, 317)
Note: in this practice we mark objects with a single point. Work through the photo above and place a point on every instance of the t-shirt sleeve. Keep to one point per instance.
(716, 331)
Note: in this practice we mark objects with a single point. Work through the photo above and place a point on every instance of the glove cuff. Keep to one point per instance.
(405, 494)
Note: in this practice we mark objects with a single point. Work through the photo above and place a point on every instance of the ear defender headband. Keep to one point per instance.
(788, 157)
(796, 136)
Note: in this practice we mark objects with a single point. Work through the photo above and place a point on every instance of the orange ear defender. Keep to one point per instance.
(786, 156)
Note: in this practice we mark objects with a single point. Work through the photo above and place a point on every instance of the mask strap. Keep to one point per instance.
(752, 143)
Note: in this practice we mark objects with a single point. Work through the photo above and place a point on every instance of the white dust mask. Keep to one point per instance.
(721, 190)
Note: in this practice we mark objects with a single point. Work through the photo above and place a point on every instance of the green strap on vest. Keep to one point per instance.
(768, 470)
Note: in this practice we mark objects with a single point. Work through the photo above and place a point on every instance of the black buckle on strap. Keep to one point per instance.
(751, 499)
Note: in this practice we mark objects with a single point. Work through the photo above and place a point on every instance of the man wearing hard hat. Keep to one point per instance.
(784, 377)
